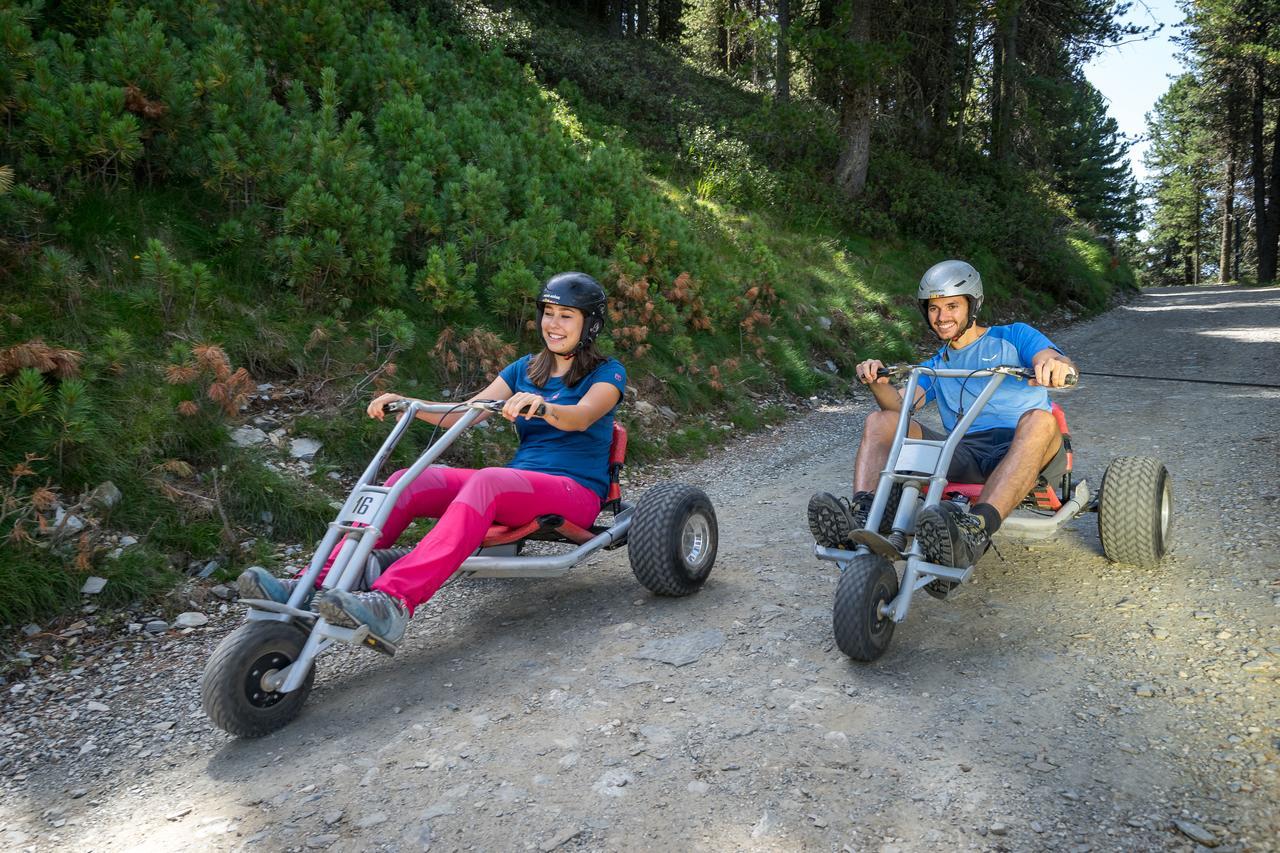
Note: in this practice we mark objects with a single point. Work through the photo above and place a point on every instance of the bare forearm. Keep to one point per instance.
(887, 397)
(569, 418)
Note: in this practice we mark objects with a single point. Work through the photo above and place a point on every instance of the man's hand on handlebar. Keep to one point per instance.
(869, 372)
(1054, 373)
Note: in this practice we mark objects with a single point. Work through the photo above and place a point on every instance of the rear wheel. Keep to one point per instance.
(233, 694)
(867, 583)
(1135, 511)
(673, 538)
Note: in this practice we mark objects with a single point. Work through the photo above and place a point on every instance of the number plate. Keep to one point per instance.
(365, 507)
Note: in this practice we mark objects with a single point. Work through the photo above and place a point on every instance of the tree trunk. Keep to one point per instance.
(826, 85)
(1258, 155)
(1270, 251)
(642, 18)
(946, 78)
(855, 112)
(721, 13)
(757, 63)
(1196, 235)
(1004, 75)
(613, 12)
(1228, 218)
(966, 79)
(783, 70)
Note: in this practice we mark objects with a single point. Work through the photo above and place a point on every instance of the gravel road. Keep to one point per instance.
(1059, 702)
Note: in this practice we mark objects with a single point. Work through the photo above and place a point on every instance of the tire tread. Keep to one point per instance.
(850, 613)
(222, 683)
(653, 560)
(1129, 511)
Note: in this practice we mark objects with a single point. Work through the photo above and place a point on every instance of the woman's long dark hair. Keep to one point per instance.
(588, 359)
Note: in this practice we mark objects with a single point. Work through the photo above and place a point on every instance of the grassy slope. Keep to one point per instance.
(840, 296)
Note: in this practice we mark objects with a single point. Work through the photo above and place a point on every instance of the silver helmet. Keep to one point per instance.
(950, 278)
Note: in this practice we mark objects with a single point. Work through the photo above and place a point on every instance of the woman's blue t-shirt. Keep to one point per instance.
(581, 456)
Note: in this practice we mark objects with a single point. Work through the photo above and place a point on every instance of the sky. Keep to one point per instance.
(1132, 76)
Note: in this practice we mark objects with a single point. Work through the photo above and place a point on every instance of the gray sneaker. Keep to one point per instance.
(386, 615)
(257, 582)
(949, 536)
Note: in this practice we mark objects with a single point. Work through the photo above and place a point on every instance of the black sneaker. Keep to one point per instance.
(949, 536)
(833, 519)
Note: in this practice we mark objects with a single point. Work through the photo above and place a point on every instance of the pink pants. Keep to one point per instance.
(467, 502)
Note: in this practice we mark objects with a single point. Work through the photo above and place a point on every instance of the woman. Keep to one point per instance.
(560, 468)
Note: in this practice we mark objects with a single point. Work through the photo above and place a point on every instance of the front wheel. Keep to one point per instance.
(867, 583)
(233, 694)
(672, 541)
(1135, 511)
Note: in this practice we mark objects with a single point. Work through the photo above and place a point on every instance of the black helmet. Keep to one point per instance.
(581, 291)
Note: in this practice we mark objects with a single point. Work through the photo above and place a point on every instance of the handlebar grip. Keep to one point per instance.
(496, 406)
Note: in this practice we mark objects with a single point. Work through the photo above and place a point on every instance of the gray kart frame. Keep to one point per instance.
(916, 462)
(360, 520)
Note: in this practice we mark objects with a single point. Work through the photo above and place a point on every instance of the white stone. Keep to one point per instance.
(304, 449)
(248, 436)
(191, 619)
(62, 520)
(93, 585)
(105, 497)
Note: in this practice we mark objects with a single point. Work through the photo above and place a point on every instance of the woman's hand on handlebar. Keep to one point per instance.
(377, 408)
(523, 404)
(868, 372)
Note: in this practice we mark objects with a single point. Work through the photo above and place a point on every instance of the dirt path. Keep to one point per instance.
(1057, 703)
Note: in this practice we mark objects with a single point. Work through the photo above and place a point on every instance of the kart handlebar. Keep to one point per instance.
(897, 371)
(405, 405)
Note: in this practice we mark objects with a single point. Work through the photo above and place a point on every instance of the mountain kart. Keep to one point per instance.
(881, 574)
(259, 676)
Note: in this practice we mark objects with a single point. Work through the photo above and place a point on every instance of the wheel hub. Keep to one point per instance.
(255, 681)
(695, 541)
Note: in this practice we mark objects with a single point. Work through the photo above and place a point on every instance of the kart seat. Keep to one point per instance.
(1043, 495)
(554, 527)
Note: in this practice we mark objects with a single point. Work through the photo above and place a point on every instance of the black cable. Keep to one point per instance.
(436, 427)
(1178, 379)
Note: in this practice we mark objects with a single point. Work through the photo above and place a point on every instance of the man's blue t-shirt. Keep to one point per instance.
(581, 456)
(1014, 345)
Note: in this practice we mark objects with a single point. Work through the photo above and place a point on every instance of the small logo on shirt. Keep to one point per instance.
(993, 358)
(617, 376)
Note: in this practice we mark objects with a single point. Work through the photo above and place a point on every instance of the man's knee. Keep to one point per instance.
(1037, 422)
(881, 424)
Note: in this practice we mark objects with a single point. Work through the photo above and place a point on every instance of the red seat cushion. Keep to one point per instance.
(500, 534)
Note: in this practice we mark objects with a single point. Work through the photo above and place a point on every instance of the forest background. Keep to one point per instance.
(197, 198)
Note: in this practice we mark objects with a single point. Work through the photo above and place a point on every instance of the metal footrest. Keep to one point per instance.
(276, 607)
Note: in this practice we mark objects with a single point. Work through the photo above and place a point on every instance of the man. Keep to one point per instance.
(1012, 441)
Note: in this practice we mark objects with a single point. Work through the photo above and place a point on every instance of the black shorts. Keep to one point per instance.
(978, 454)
